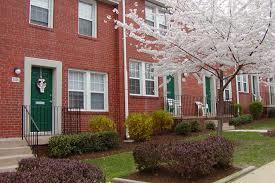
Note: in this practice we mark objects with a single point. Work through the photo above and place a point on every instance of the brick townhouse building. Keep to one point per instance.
(60, 55)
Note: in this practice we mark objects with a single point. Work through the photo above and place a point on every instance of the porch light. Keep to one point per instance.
(17, 71)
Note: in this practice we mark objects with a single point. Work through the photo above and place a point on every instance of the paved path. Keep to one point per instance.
(259, 131)
(264, 174)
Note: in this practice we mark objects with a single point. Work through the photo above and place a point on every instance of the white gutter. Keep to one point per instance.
(126, 87)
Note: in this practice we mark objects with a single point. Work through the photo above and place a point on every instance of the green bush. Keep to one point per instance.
(238, 110)
(101, 124)
(243, 119)
(162, 121)
(183, 128)
(210, 126)
(65, 145)
(140, 126)
(256, 109)
(195, 126)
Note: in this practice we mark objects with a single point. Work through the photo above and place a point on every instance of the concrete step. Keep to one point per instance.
(225, 126)
(5, 143)
(15, 151)
(11, 152)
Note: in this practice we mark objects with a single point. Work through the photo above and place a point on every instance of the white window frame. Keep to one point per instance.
(229, 89)
(156, 10)
(240, 79)
(50, 14)
(94, 22)
(143, 79)
(88, 90)
(258, 93)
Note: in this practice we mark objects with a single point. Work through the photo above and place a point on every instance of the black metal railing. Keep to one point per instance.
(187, 106)
(43, 120)
(30, 129)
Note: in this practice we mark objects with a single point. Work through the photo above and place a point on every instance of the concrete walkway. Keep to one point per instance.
(264, 174)
(259, 131)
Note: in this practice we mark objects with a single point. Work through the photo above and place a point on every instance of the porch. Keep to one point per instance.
(39, 123)
(186, 107)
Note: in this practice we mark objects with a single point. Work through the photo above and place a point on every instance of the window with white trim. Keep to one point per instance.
(142, 79)
(88, 90)
(155, 16)
(242, 81)
(41, 12)
(87, 18)
(227, 91)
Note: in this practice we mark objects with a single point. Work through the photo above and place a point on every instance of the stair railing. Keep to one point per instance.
(30, 130)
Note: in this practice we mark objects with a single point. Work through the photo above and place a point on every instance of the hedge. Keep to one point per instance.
(188, 159)
(36, 170)
(241, 120)
(65, 145)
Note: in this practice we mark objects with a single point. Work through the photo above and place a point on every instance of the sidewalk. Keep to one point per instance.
(264, 174)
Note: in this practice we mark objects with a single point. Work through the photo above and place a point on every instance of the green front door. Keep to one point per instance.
(170, 87)
(41, 98)
(208, 93)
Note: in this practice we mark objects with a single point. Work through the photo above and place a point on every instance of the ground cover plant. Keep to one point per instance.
(36, 170)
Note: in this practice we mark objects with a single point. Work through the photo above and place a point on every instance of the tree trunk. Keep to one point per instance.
(220, 105)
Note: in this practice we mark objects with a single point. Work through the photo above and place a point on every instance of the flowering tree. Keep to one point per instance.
(221, 37)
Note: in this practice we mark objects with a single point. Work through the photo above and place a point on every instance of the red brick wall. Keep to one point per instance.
(19, 39)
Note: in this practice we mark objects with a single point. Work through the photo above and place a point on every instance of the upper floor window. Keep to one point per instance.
(87, 18)
(41, 12)
(142, 79)
(155, 16)
(88, 90)
(243, 83)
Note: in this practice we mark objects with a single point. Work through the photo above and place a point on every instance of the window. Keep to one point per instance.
(41, 12)
(87, 18)
(88, 90)
(227, 91)
(242, 83)
(142, 79)
(155, 16)
(135, 78)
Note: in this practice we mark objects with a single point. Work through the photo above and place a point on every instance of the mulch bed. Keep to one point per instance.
(164, 176)
(124, 146)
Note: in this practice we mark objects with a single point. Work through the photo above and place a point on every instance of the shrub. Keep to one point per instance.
(256, 109)
(183, 128)
(36, 170)
(210, 126)
(189, 159)
(243, 119)
(65, 145)
(238, 110)
(195, 126)
(147, 156)
(101, 124)
(140, 126)
(162, 121)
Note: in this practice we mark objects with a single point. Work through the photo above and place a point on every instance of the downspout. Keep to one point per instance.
(126, 90)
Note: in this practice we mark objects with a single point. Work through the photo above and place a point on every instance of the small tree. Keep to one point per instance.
(221, 37)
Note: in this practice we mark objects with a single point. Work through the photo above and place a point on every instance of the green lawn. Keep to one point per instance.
(264, 124)
(252, 149)
(118, 165)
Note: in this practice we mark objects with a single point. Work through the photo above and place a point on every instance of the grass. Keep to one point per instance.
(118, 165)
(251, 149)
(263, 124)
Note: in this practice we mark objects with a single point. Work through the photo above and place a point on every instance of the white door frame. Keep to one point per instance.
(29, 62)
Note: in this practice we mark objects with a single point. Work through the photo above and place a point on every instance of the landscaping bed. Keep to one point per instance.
(164, 176)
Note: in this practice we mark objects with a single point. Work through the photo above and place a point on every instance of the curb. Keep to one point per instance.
(119, 180)
(236, 175)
